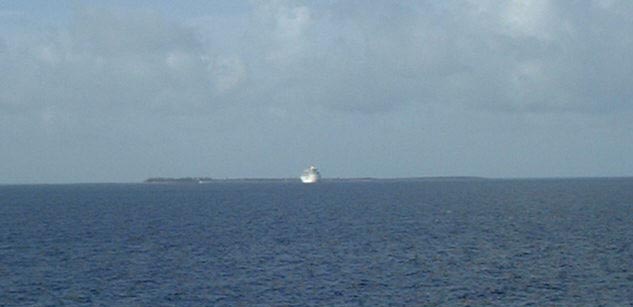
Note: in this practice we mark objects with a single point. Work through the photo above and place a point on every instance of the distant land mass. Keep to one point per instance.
(201, 180)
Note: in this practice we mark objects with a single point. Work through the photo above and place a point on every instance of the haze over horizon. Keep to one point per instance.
(114, 91)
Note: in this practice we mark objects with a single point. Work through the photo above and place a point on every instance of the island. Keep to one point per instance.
(202, 180)
(178, 180)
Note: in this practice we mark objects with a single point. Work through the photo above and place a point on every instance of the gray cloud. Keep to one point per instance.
(541, 56)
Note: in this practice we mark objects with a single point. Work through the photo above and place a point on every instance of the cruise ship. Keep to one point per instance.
(310, 175)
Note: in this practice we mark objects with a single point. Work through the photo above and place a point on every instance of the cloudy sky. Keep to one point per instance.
(94, 91)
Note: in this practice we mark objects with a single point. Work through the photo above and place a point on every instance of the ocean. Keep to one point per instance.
(522, 242)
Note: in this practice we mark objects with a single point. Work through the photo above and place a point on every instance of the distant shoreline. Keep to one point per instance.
(207, 180)
(204, 180)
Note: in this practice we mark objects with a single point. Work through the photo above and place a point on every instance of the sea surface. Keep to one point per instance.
(545, 242)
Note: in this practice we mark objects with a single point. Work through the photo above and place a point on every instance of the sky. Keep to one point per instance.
(119, 91)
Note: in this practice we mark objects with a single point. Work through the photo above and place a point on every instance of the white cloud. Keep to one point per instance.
(530, 18)
(283, 25)
(227, 73)
(107, 59)
(604, 4)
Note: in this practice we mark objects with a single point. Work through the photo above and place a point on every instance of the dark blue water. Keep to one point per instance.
(442, 243)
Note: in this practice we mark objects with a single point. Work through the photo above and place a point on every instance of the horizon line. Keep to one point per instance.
(191, 180)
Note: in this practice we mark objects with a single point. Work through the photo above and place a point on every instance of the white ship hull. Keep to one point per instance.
(310, 178)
